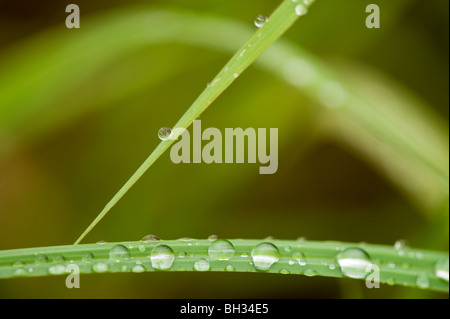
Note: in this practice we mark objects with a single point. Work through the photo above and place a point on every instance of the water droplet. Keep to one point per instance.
(441, 269)
(287, 249)
(332, 95)
(284, 272)
(236, 75)
(150, 238)
(221, 249)
(202, 265)
(119, 252)
(100, 267)
(213, 237)
(138, 269)
(310, 273)
(390, 281)
(59, 259)
(41, 259)
(264, 256)
(355, 263)
(300, 257)
(57, 269)
(162, 257)
(401, 244)
(261, 20)
(332, 266)
(291, 262)
(101, 242)
(20, 272)
(301, 239)
(230, 268)
(87, 257)
(423, 281)
(164, 133)
(182, 254)
(141, 248)
(301, 10)
(18, 264)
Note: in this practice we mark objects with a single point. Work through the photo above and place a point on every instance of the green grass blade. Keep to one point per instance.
(397, 266)
(283, 17)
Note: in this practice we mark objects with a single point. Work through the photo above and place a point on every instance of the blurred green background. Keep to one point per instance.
(66, 146)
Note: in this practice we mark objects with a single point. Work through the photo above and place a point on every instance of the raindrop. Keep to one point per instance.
(236, 75)
(284, 272)
(355, 263)
(119, 252)
(150, 238)
(310, 273)
(141, 248)
(138, 269)
(87, 257)
(441, 269)
(221, 249)
(300, 257)
(264, 256)
(213, 237)
(162, 257)
(261, 20)
(41, 259)
(202, 265)
(401, 244)
(165, 133)
(301, 10)
(182, 254)
(230, 268)
(101, 242)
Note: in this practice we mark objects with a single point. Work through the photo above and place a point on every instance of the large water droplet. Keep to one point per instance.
(354, 263)
(261, 20)
(119, 252)
(221, 249)
(162, 257)
(441, 269)
(301, 10)
(202, 265)
(164, 133)
(264, 256)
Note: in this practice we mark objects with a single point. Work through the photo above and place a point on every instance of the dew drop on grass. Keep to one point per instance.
(261, 20)
(355, 263)
(87, 257)
(119, 252)
(164, 133)
(101, 242)
(221, 249)
(150, 238)
(264, 256)
(41, 259)
(57, 269)
(162, 257)
(20, 272)
(230, 268)
(423, 281)
(301, 10)
(401, 244)
(213, 237)
(59, 259)
(202, 265)
(284, 272)
(299, 257)
(182, 254)
(100, 267)
(138, 269)
(441, 269)
(310, 273)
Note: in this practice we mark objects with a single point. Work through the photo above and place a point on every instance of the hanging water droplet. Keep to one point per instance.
(230, 268)
(423, 281)
(264, 256)
(301, 10)
(441, 269)
(119, 252)
(57, 269)
(150, 238)
(138, 269)
(221, 249)
(41, 259)
(261, 20)
(100, 267)
(162, 257)
(87, 257)
(213, 237)
(355, 263)
(164, 133)
(202, 265)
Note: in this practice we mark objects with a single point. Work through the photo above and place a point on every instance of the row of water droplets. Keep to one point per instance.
(351, 262)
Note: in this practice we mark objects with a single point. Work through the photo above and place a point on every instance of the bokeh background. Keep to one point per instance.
(66, 146)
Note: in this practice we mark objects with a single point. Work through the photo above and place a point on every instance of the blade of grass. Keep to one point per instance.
(283, 17)
(310, 258)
